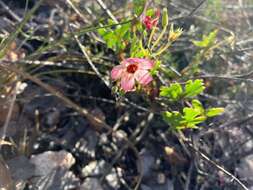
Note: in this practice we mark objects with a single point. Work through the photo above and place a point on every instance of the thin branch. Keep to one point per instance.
(227, 78)
(203, 156)
(196, 8)
(83, 49)
(220, 168)
(108, 12)
(9, 114)
(76, 10)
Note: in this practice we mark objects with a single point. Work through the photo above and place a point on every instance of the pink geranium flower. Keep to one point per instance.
(133, 70)
(150, 22)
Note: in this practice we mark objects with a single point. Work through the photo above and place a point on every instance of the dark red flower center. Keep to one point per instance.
(132, 68)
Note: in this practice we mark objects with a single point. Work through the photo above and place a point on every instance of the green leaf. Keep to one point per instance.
(190, 114)
(197, 120)
(122, 30)
(206, 41)
(214, 112)
(154, 70)
(193, 117)
(193, 88)
(198, 105)
(174, 119)
(173, 92)
(116, 38)
(111, 40)
(150, 12)
(177, 121)
(139, 6)
(102, 31)
(137, 50)
(195, 114)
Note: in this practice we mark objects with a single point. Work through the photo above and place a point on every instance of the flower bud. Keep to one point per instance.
(165, 17)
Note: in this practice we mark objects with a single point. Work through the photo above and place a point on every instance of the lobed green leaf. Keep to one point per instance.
(211, 112)
(206, 41)
(193, 88)
(173, 92)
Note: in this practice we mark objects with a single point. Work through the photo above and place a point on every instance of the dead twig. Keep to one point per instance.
(227, 78)
(233, 178)
(203, 156)
(9, 114)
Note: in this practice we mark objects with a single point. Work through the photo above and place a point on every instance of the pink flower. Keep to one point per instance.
(149, 22)
(132, 70)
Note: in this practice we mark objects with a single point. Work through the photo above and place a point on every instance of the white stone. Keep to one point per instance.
(50, 160)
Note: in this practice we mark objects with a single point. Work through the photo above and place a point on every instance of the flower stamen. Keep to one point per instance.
(132, 68)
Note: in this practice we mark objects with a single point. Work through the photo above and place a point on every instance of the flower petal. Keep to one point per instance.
(127, 82)
(125, 63)
(133, 60)
(117, 72)
(143, 76)
(146, 64)
(142, 63)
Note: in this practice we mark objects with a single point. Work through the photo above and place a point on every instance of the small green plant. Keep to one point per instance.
(190, 116)
(117, 38)
(207, 41)
(140, 44)
(207, 49)
(175, 91)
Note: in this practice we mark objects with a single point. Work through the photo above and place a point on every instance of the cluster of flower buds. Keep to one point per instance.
(150, 22)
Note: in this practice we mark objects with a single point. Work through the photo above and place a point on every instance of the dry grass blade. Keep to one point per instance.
(4, 142)
(104, 7)
(100, 125)
(11, 38)
(90, 62)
